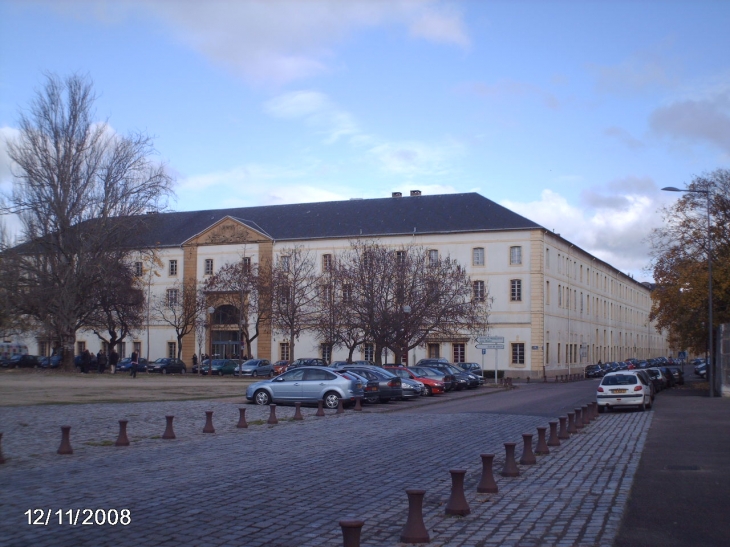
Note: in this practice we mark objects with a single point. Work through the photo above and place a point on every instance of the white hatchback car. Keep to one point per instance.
(623, 388)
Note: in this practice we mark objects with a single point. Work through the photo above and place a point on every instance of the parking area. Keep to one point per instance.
(290, 484)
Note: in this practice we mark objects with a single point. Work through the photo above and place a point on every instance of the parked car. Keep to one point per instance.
(280, 367)
(657, 378)
(412, 389)
(431, 385)
(255, 367)
(390, 385)
(678, 374)
(671, 381)
(305, 384)
(701, 370)
(125, 365)
(220, 367)
(647, 381)
(167, 365)
(371, 388)
(462, 378)
(53, 361)
(475, 369)
(24, 361)
(619, 389)
(308, 362)
(594, 371)
(442, 376)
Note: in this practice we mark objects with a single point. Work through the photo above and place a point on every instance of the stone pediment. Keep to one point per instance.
(228, 231)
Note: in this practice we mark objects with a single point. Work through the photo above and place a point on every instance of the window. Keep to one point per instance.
(347, 294)
(171, 350)
(326, 263)
(284, 351)
(478, 291)
(400, 257)
(434, 351)
(43, 349)
(547, 293)
(326, 351)
(138, 271)
(137, 346)
(80, 347)
(459, 353)
(515, 255)
(172, 270)
(369, 352)
(246, 264)
(515, 294)
(284, 292)
(477, 256)
(284, 262)
(208, 266)
(433, 256)
(122, 349)
(518, 354)
(172, 296)
(560, 296)
(326, 293)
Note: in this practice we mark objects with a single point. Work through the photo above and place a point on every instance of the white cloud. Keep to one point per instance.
(645, 70)
(624, 137)
(277, 42)
(614, 228)
(413, 158)
(507, 89)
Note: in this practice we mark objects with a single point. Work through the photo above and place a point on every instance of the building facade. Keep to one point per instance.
(557, 307)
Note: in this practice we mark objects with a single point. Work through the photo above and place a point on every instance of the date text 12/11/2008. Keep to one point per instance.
(79, 517)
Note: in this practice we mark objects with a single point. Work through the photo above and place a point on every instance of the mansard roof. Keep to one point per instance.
(439, 214)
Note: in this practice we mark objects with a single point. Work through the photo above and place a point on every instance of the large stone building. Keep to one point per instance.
(557, 307)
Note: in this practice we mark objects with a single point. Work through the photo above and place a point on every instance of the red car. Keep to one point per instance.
(433, 386)
(280, 367)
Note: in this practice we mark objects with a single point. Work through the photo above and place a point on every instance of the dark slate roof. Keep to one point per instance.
(342, 219)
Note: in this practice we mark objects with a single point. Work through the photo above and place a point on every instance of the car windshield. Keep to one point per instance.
(619, 380)
(428, 372)
(400, 372)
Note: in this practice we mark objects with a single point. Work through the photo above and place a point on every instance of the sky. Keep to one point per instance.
(572, 113)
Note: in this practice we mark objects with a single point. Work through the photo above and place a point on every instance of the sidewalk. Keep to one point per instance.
(681, 491)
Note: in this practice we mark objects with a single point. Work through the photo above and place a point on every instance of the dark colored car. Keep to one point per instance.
(54, 361)
(678, 374)
(671, 381)
(594, 371)
(462, 378)
(308, 362)
(656, 379)
(125, 365)
(24, 361)
(167, 365)
(220, 367)
(389, 383)
(475, 369)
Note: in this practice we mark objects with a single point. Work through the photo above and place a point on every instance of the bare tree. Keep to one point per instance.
(402, 296)
(180, 307)
(73, 181)
(295, 286)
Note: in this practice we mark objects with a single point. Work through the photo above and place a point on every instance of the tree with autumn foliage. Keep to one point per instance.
(680, 266)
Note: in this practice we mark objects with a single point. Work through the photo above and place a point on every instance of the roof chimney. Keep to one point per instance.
(397, 195)
(415, 192)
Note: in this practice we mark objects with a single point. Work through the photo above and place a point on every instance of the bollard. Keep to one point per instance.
(586, 414)
(169, 433)
(487, 484)
(542, 447)
(578, 418)
(457, 504)
(510, 468)
(553, 440)
(351, 532)
(528, 456)
(415, 530)
(122, 439)
(564, 434)
(65, 447)
(298, 411)
(2, 460)
(242, 423)
(320, 408)
(209, 422)
(571, 423)
(272, 415)
(358, 404)
(340, 406)
(528, 379)
(595, 411)
(556, 378)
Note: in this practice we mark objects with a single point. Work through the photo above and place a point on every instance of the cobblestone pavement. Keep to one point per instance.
(288, 485)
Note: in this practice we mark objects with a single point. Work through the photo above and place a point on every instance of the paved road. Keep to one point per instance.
(288, 485)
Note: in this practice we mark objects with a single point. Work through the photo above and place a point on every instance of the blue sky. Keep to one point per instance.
(572, 113)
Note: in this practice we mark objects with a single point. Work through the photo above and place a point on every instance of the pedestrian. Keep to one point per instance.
(85, 361)
(113, 360)
(134, 363)
(101, 361)
(195, 361)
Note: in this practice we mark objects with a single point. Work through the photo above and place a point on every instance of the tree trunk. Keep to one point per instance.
(349, 355)
(291, 348)
(67, 342)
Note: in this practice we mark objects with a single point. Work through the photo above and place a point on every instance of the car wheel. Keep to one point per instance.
(429, 391)
(372, 399)
(271, 374)
(262, 398)
(254, 373)
(331, 400)
(164, 371)
(642, 406)
(220, 373)
(182, 371)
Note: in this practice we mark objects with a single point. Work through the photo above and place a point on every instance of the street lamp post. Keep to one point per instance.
(711, 360)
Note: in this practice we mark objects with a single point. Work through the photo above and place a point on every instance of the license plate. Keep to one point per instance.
(619, 390)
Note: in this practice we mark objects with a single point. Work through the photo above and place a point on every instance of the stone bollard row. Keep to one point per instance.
(358, 404)
(65, 447)
(571, 423)
(320, 408)
(298, 411)
(122, 439)
(510, 468)
(528, 456)
(340, 406)
(415, 529)
(487, 484)
(563, 434)
(242, 423)
(542, 448)
(351, 532)
(554, 439)
(272, 415)
(457, 504)
(169, 432)
(578, 418)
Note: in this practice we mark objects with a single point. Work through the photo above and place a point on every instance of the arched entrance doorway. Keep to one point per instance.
(224, 333)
